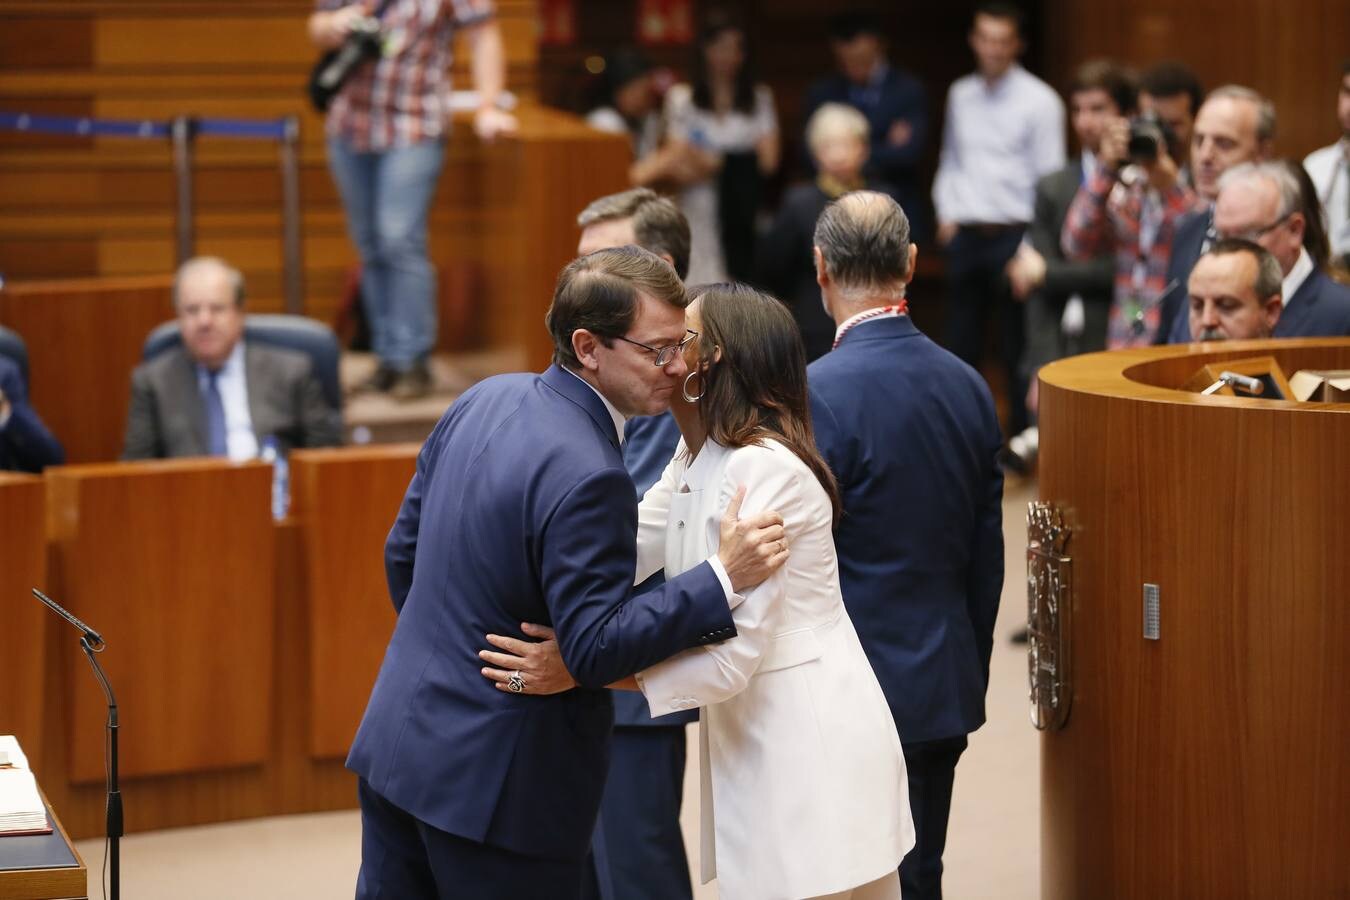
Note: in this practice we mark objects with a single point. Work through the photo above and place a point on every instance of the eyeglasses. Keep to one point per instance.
(1255, 234)
(665, 354)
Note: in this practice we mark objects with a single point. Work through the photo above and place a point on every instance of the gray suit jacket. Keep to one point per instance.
(285, 402)
(1093, 279)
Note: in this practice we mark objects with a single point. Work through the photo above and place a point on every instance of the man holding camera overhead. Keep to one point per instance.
(386, 143)
(1129, 206)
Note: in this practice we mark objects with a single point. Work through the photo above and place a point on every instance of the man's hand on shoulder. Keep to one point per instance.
(751, 549)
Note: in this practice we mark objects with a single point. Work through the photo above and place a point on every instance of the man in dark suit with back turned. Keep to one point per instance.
(911, 434)
(217, 395)
(26, 444)
(521, 510)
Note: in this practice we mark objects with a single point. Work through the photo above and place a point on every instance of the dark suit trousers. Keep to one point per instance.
(638, 850)
(931, 767)
(977, 290)
(404, 858)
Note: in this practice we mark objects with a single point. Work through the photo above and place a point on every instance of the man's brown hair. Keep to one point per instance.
(599, 292)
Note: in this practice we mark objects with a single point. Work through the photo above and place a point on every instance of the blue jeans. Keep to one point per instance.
(387, 195)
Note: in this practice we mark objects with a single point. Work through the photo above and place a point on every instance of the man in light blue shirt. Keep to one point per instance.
(1004, 131)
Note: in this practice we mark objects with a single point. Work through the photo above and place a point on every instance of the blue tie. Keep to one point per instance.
(215, 418)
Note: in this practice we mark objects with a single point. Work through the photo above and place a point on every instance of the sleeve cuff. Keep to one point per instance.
(733, 599)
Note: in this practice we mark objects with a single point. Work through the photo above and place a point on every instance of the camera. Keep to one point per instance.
(363, 42)
(1149, 135)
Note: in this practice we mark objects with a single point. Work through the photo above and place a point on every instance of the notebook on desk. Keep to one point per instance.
(22, 811)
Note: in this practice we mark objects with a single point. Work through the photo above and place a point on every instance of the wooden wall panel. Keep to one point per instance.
(74, 207)
(23, 565)
(1291, 51)
(84, 339)
(174, 563)
(348, 609)
(1198, 765)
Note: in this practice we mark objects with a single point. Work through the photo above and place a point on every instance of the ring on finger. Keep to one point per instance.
(516, 683)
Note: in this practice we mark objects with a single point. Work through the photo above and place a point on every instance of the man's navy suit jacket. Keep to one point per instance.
(25, 442)
(520, 510)
(1187, 243)
(911, 434)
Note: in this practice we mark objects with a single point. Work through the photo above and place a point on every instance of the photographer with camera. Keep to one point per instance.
(1128, 206)
(389, 116)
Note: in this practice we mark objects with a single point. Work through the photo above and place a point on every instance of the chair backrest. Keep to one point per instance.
(12, 346)
(312, 338)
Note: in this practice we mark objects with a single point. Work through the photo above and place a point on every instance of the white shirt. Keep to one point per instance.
(1330, 172)
(999, 139)
(240, 441)
(1297, 275)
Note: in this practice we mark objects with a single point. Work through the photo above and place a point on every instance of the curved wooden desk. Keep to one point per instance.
(1210, 762)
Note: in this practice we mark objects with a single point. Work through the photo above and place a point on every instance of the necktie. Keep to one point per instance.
(215, 418)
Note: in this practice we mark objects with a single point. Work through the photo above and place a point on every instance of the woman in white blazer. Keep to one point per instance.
(804, 793)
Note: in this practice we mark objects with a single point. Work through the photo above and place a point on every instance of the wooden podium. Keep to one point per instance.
(1208, 758)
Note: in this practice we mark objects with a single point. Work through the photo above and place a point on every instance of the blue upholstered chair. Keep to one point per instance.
(289, 332)
(13, 347)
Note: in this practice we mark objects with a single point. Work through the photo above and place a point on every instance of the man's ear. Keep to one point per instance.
(584, 345)
(822, 276)
(1274, 307)
(668, 258)
(913, 261)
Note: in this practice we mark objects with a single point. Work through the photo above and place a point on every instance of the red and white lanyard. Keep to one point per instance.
(877, 312)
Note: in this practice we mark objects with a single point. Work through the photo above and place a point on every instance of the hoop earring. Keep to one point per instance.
(684, 389)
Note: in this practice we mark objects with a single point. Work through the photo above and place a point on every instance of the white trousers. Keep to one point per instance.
(884, 888)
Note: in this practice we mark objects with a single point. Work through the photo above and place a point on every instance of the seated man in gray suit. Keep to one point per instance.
(216, 395)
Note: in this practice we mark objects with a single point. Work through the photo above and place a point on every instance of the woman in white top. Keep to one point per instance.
(804, 791)
(729, 121)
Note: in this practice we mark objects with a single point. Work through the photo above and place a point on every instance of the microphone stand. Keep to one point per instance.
(91, 642)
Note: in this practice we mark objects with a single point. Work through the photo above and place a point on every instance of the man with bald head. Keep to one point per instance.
(1235, 125)
(912, 437)
(1262, 203)
(1234, 292)
(216, 395)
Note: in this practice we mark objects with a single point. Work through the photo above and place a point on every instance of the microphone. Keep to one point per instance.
(1253, 386)
(95, 638)
(1246, 382)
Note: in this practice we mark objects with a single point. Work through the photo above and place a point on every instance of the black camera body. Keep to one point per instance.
(1148, 136)
(364, 42)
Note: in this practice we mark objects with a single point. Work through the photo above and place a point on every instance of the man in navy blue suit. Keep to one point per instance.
(911, 434)
(25, 443)
(520, 510)
(894, 102)
(1263, 203)
(638, 850)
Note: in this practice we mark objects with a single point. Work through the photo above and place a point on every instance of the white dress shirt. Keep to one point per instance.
(1297, 275)
(999, 139)
(232, 383)
(1329, 169)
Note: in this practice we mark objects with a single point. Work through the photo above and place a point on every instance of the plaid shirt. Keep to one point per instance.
(1109, 216)
(403, 98)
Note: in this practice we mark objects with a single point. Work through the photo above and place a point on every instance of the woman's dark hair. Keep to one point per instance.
(1315, 239)
(757, 389)
(714, 26)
